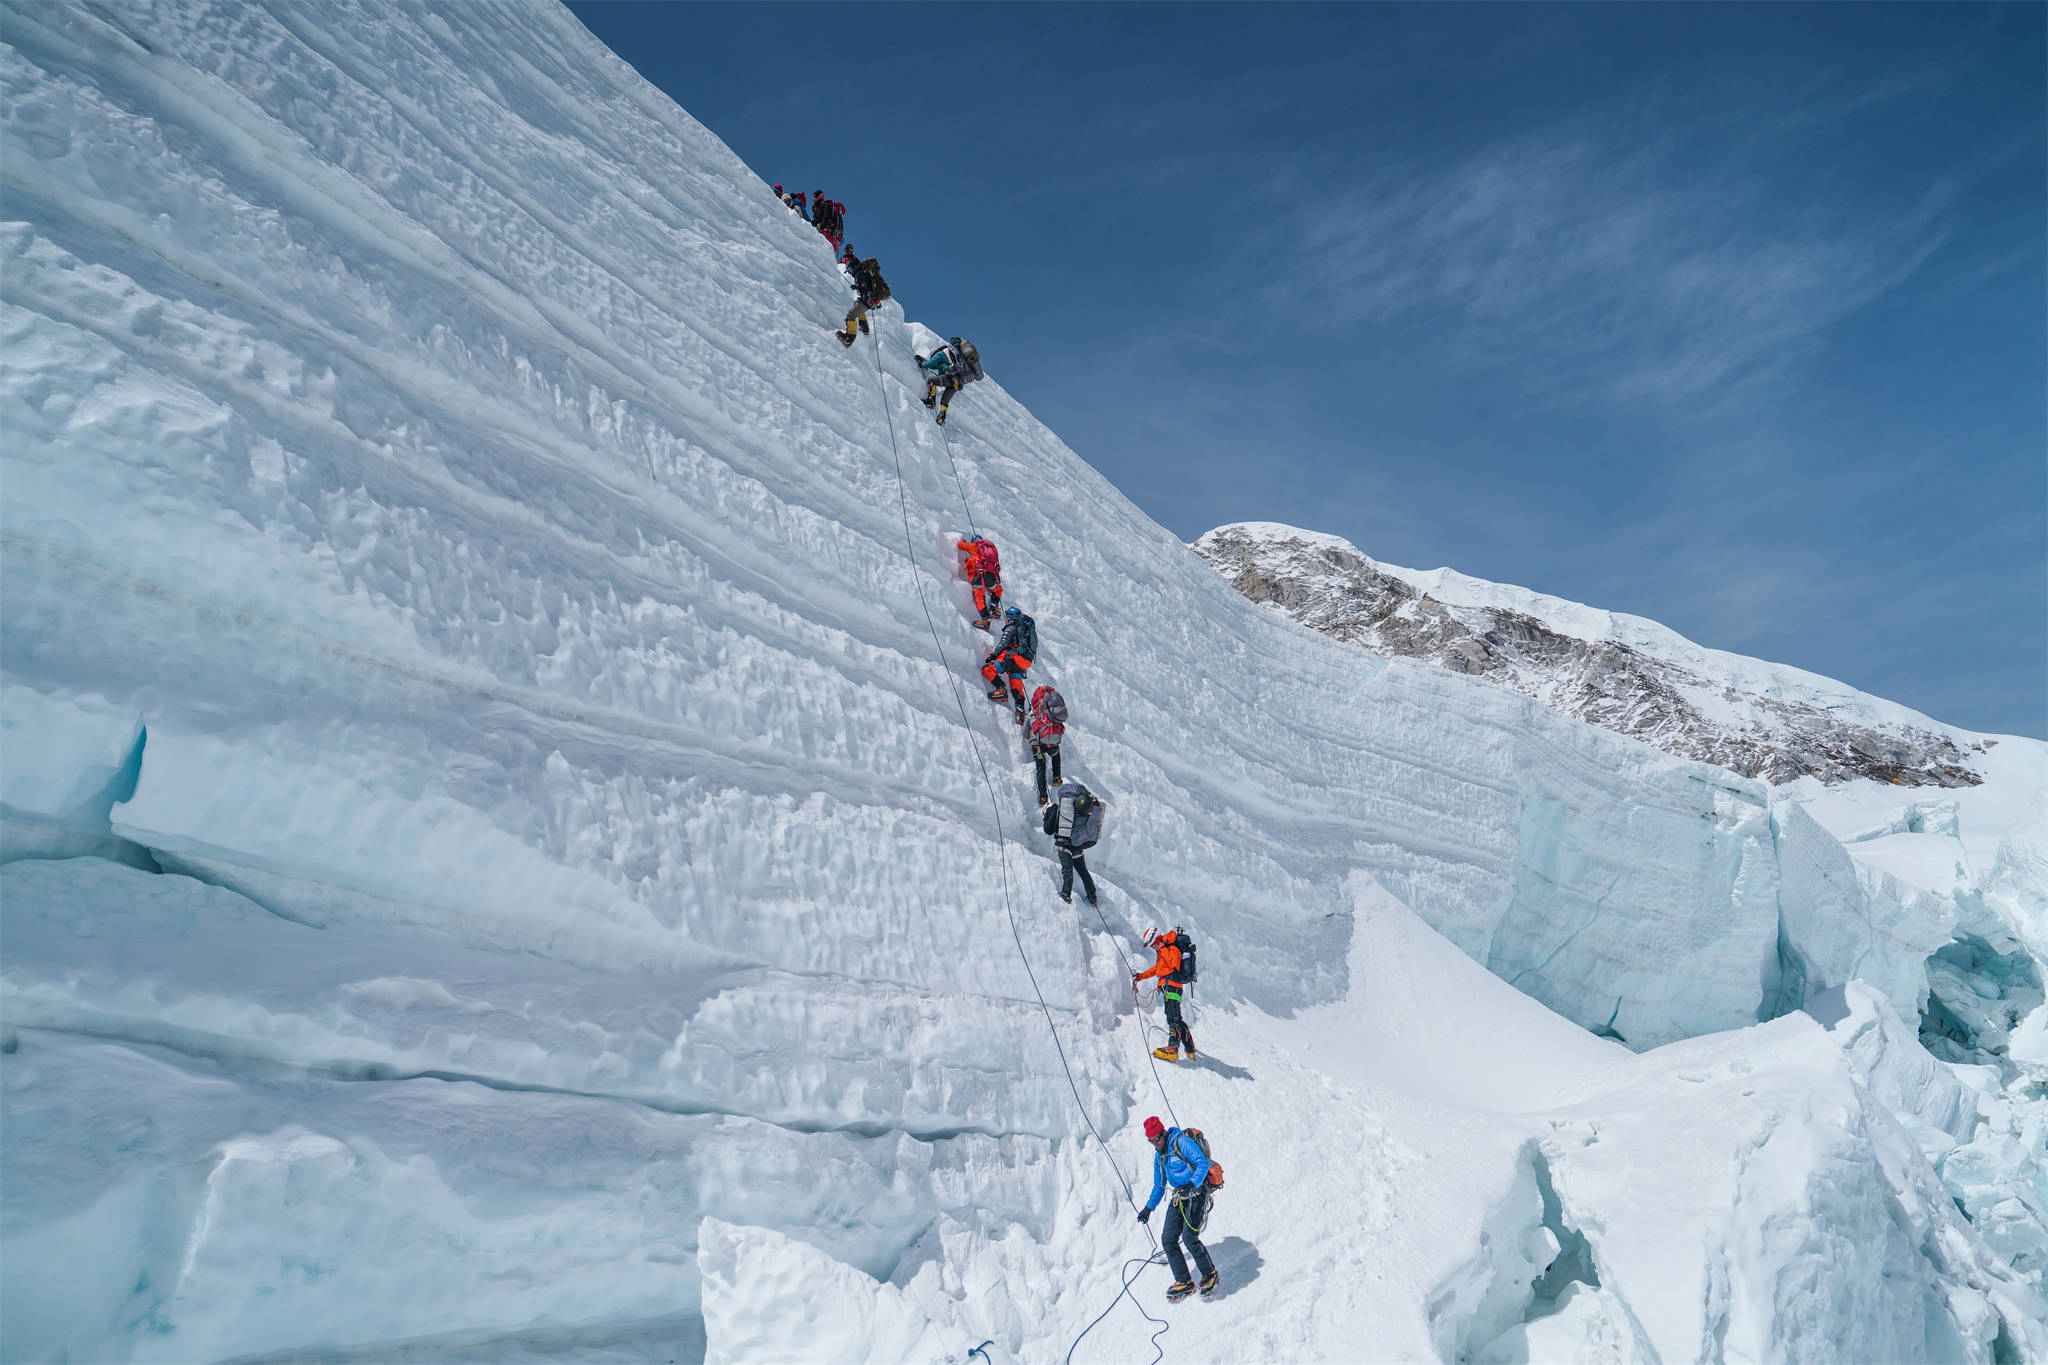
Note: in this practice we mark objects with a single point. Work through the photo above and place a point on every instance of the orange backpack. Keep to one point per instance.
(1215, 1180)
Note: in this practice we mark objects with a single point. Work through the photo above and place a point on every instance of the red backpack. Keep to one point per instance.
(986, 560)
(1048, 714)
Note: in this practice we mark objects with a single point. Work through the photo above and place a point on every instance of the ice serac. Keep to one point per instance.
(777, 1299)
(1802, 1225)
(473, 620)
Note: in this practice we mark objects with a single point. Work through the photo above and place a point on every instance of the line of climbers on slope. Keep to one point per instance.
(1074, 815)
(1183, 1170)
(951, 366)
(828, 216)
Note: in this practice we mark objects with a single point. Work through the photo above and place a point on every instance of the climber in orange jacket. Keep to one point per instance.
(983, 569)
(1174, 965)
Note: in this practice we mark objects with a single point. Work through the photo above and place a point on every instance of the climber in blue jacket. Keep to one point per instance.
(1179, 1160)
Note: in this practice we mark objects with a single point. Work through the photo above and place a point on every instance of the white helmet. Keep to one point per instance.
(1150, 936)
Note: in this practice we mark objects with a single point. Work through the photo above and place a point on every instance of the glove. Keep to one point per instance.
(1144, 1215)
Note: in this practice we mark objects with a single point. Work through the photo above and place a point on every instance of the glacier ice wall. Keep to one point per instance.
(441, 535)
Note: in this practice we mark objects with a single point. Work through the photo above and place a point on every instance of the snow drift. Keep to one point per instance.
(498, 867)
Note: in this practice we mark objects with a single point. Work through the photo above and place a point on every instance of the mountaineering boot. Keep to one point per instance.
(1179, 1290)
(1208, 1284)
(1169, 1053)
(1191, 1052)
(929, 401)
(942, 417)
(845, 338)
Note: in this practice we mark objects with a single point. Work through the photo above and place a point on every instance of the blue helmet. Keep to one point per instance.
(1012, 613)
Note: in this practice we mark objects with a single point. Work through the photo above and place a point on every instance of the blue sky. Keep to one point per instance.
(1734, 317)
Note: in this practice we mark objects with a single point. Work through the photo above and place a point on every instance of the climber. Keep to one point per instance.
(950, 368)
(1173, 963)
(1181, 1160)
(825, 217)
(1047, 725)
(871, 288)
(1004, 668)
(983, 569)
(1075, 822)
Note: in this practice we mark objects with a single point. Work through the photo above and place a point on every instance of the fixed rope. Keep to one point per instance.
(946, 443)
(1003, 856)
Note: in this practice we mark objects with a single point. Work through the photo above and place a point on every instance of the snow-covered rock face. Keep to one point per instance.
(1622, 673)
(496, 857)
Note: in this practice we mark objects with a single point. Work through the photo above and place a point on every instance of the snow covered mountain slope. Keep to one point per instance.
(1974, 856)
(1622, 672)
(499, 857)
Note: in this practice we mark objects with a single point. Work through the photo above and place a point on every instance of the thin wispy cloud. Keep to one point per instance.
(1585, 267)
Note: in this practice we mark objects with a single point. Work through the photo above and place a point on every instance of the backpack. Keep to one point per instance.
(1088, 813)
(986, 560)
(1215, 1180)
(1027, 637)
(970, 360)
(1184, 975)
(867, 277)
(1085, 802)
(1048, 714)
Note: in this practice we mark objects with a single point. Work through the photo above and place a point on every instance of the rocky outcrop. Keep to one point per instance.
(1330, 586)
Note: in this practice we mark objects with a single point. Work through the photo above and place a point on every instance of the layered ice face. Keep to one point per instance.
(497, 864)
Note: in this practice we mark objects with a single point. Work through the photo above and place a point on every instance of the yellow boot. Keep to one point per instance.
(1168, 1053)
